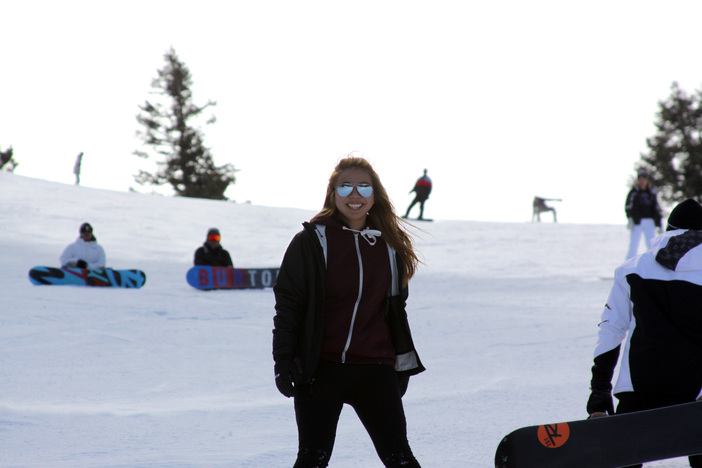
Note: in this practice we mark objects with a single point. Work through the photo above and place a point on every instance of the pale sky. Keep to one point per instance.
(500, 101)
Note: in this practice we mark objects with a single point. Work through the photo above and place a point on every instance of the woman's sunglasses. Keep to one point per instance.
(345, 189)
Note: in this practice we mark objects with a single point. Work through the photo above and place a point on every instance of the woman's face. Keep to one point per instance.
(354, 207)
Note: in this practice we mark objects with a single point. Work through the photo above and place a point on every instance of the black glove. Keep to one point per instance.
(82, 264)
(402, 383)
(287, 377)
(601, 384)
(600, 401)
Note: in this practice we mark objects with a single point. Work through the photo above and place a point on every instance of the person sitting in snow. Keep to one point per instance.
(85, 252)
(211, 253)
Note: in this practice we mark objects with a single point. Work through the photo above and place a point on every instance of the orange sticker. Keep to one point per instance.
(553, 435)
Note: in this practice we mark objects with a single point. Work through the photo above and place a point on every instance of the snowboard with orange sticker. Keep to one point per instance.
(607, 442)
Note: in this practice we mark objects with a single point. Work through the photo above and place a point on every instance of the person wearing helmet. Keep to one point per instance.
(211, 252)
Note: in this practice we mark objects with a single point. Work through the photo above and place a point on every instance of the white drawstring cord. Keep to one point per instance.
(368, 234)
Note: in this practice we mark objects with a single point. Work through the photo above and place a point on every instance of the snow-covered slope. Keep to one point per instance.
(504, 317)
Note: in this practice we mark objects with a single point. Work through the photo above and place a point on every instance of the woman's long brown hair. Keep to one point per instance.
(382, 215)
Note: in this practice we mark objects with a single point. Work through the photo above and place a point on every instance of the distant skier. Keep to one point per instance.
(422, 189)
(642, 212)
(211, 253)
(540, 206)
(85, 252)
(76, 167)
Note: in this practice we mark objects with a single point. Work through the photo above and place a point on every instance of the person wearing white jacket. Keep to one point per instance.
(85, 252)
(654, 310)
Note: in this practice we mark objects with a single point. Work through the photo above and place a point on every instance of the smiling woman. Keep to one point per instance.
(341, 334)
(354, 197)
(375, 208)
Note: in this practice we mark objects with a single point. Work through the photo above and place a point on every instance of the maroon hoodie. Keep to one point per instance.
(358, 280)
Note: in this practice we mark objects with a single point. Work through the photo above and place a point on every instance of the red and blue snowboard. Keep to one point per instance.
(208, 277)
(606, 442)
(106, 277)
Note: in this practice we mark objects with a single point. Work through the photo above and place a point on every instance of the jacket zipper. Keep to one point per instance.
(358, 299)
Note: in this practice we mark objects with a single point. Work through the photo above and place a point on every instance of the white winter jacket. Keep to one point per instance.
(91, 252)
(655, 310)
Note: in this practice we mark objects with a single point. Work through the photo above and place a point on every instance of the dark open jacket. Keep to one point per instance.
(643, 203)
(300, 295)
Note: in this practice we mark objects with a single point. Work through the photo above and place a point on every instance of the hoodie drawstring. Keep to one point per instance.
(367, 233)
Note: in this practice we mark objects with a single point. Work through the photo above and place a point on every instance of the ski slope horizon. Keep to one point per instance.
(504, 317)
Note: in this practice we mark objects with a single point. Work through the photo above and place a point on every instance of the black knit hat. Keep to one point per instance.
(686, 215)
(85, 227)
(213, 231)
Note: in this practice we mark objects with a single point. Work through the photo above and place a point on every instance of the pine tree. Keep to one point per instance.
(183, 161)
(7, 162)
(674, 158)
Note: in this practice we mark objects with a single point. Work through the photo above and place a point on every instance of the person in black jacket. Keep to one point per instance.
(642, 212)
(340, 333)
(211, 253)
(652, 325)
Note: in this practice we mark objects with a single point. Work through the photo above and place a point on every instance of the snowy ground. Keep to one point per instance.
(504, 317)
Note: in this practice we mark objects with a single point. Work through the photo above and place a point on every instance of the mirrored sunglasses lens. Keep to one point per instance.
(365, 190)
(344, 190)
(213, 237)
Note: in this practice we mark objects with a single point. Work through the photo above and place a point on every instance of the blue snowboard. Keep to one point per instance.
(208, 277)
(106, 277)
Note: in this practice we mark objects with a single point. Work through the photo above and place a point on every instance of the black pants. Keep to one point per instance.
(421, 207)
(630, 402)
(373, 393)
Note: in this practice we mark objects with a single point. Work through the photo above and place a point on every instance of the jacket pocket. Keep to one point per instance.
(407, 358)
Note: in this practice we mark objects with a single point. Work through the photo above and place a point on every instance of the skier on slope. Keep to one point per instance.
(654, 309)
(422, 189)
(642, 212)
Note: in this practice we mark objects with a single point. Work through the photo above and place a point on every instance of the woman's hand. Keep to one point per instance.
(287, 377)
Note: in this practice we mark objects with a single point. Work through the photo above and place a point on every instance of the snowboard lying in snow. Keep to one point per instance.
(606, 442)
(43, 275)
(208, 277)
